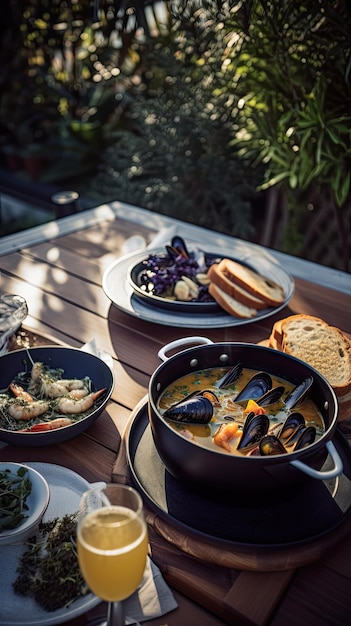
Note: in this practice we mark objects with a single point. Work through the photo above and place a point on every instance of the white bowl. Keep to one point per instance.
(37, 502)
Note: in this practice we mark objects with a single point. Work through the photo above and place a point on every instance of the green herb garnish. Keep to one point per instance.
(14, 491)
(49, 570)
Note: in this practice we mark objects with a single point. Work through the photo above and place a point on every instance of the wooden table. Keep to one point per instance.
(58, 269)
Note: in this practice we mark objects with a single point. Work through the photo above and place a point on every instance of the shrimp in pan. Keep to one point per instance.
(21, 410)
(70, 405)
(59, 422)
(56, 388)
(20, 393)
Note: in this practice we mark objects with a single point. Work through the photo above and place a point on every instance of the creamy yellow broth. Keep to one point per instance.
(229, 411)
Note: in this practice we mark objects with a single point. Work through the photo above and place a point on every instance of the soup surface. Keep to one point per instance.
(225, 429)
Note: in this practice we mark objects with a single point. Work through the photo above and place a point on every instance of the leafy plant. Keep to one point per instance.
(62, 82)
(293, 76)
(173, 154)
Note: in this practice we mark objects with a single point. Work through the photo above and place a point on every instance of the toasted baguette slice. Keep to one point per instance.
(276, 336)
(262, 287)
(324, 347)
(229, 304)
(234, 290)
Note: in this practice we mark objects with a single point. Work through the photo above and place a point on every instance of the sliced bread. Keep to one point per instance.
(260, 286)
(230, 304)
(234, 290)
(322, 346)
(276, 336)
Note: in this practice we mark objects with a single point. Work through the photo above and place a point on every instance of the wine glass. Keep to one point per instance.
(112, 544)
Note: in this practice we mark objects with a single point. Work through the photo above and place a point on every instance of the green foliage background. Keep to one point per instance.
(198, 113)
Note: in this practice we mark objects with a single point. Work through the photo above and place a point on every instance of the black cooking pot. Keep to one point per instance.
(207, 469)
(75, 364)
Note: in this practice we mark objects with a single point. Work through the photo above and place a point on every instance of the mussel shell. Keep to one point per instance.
(257, 386)
(298, 393)
(230, 376)
(255, 427)
(192, 410)
(291, 425)
(273, 395)
(177, 247)
(306, 438)
(270, 444)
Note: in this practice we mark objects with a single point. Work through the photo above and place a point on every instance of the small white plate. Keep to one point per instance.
(66, 489)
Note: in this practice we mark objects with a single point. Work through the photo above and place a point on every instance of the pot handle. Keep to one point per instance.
(333, 473)
(181, 342)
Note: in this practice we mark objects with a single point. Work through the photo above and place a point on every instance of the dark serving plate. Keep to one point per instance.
(75, 364)
(193, 306)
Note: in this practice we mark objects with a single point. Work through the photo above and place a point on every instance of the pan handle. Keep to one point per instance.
(181, 342)
(333, 473)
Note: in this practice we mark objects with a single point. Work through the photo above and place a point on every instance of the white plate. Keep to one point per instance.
(66, 488)
(117, 288)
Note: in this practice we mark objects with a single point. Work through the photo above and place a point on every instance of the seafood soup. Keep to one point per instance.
(242, 411)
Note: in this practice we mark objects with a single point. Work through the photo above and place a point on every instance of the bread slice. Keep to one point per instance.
(260, 286)
(322, 346)
(234, 290)
(230, 304)
(276, 336)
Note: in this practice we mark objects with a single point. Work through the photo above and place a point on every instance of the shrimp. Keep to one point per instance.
(25, 411)
(56, 388)
(224, 434)
(20, 393)
(71, 405)
(60, 422)
(72, 383)
(78, 393)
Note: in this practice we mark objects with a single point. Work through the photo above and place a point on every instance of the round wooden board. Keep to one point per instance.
(234, 555)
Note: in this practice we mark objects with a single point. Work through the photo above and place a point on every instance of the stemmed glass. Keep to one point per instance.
(112, 545)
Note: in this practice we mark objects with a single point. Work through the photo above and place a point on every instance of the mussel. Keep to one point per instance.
(230, 376)
(306, 438)
(270, 444)
(257, 386)
(293, 423)
(177, 248)
(272, 396)
(293, 431)
(193, 410)
(298, 393)
(255, 427)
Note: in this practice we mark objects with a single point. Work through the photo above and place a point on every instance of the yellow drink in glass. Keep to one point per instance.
(112, 547)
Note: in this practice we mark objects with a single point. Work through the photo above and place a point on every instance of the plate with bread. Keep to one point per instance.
(322, 346)
(203, 290)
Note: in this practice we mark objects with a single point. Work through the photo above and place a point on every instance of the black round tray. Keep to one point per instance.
(292, 516)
